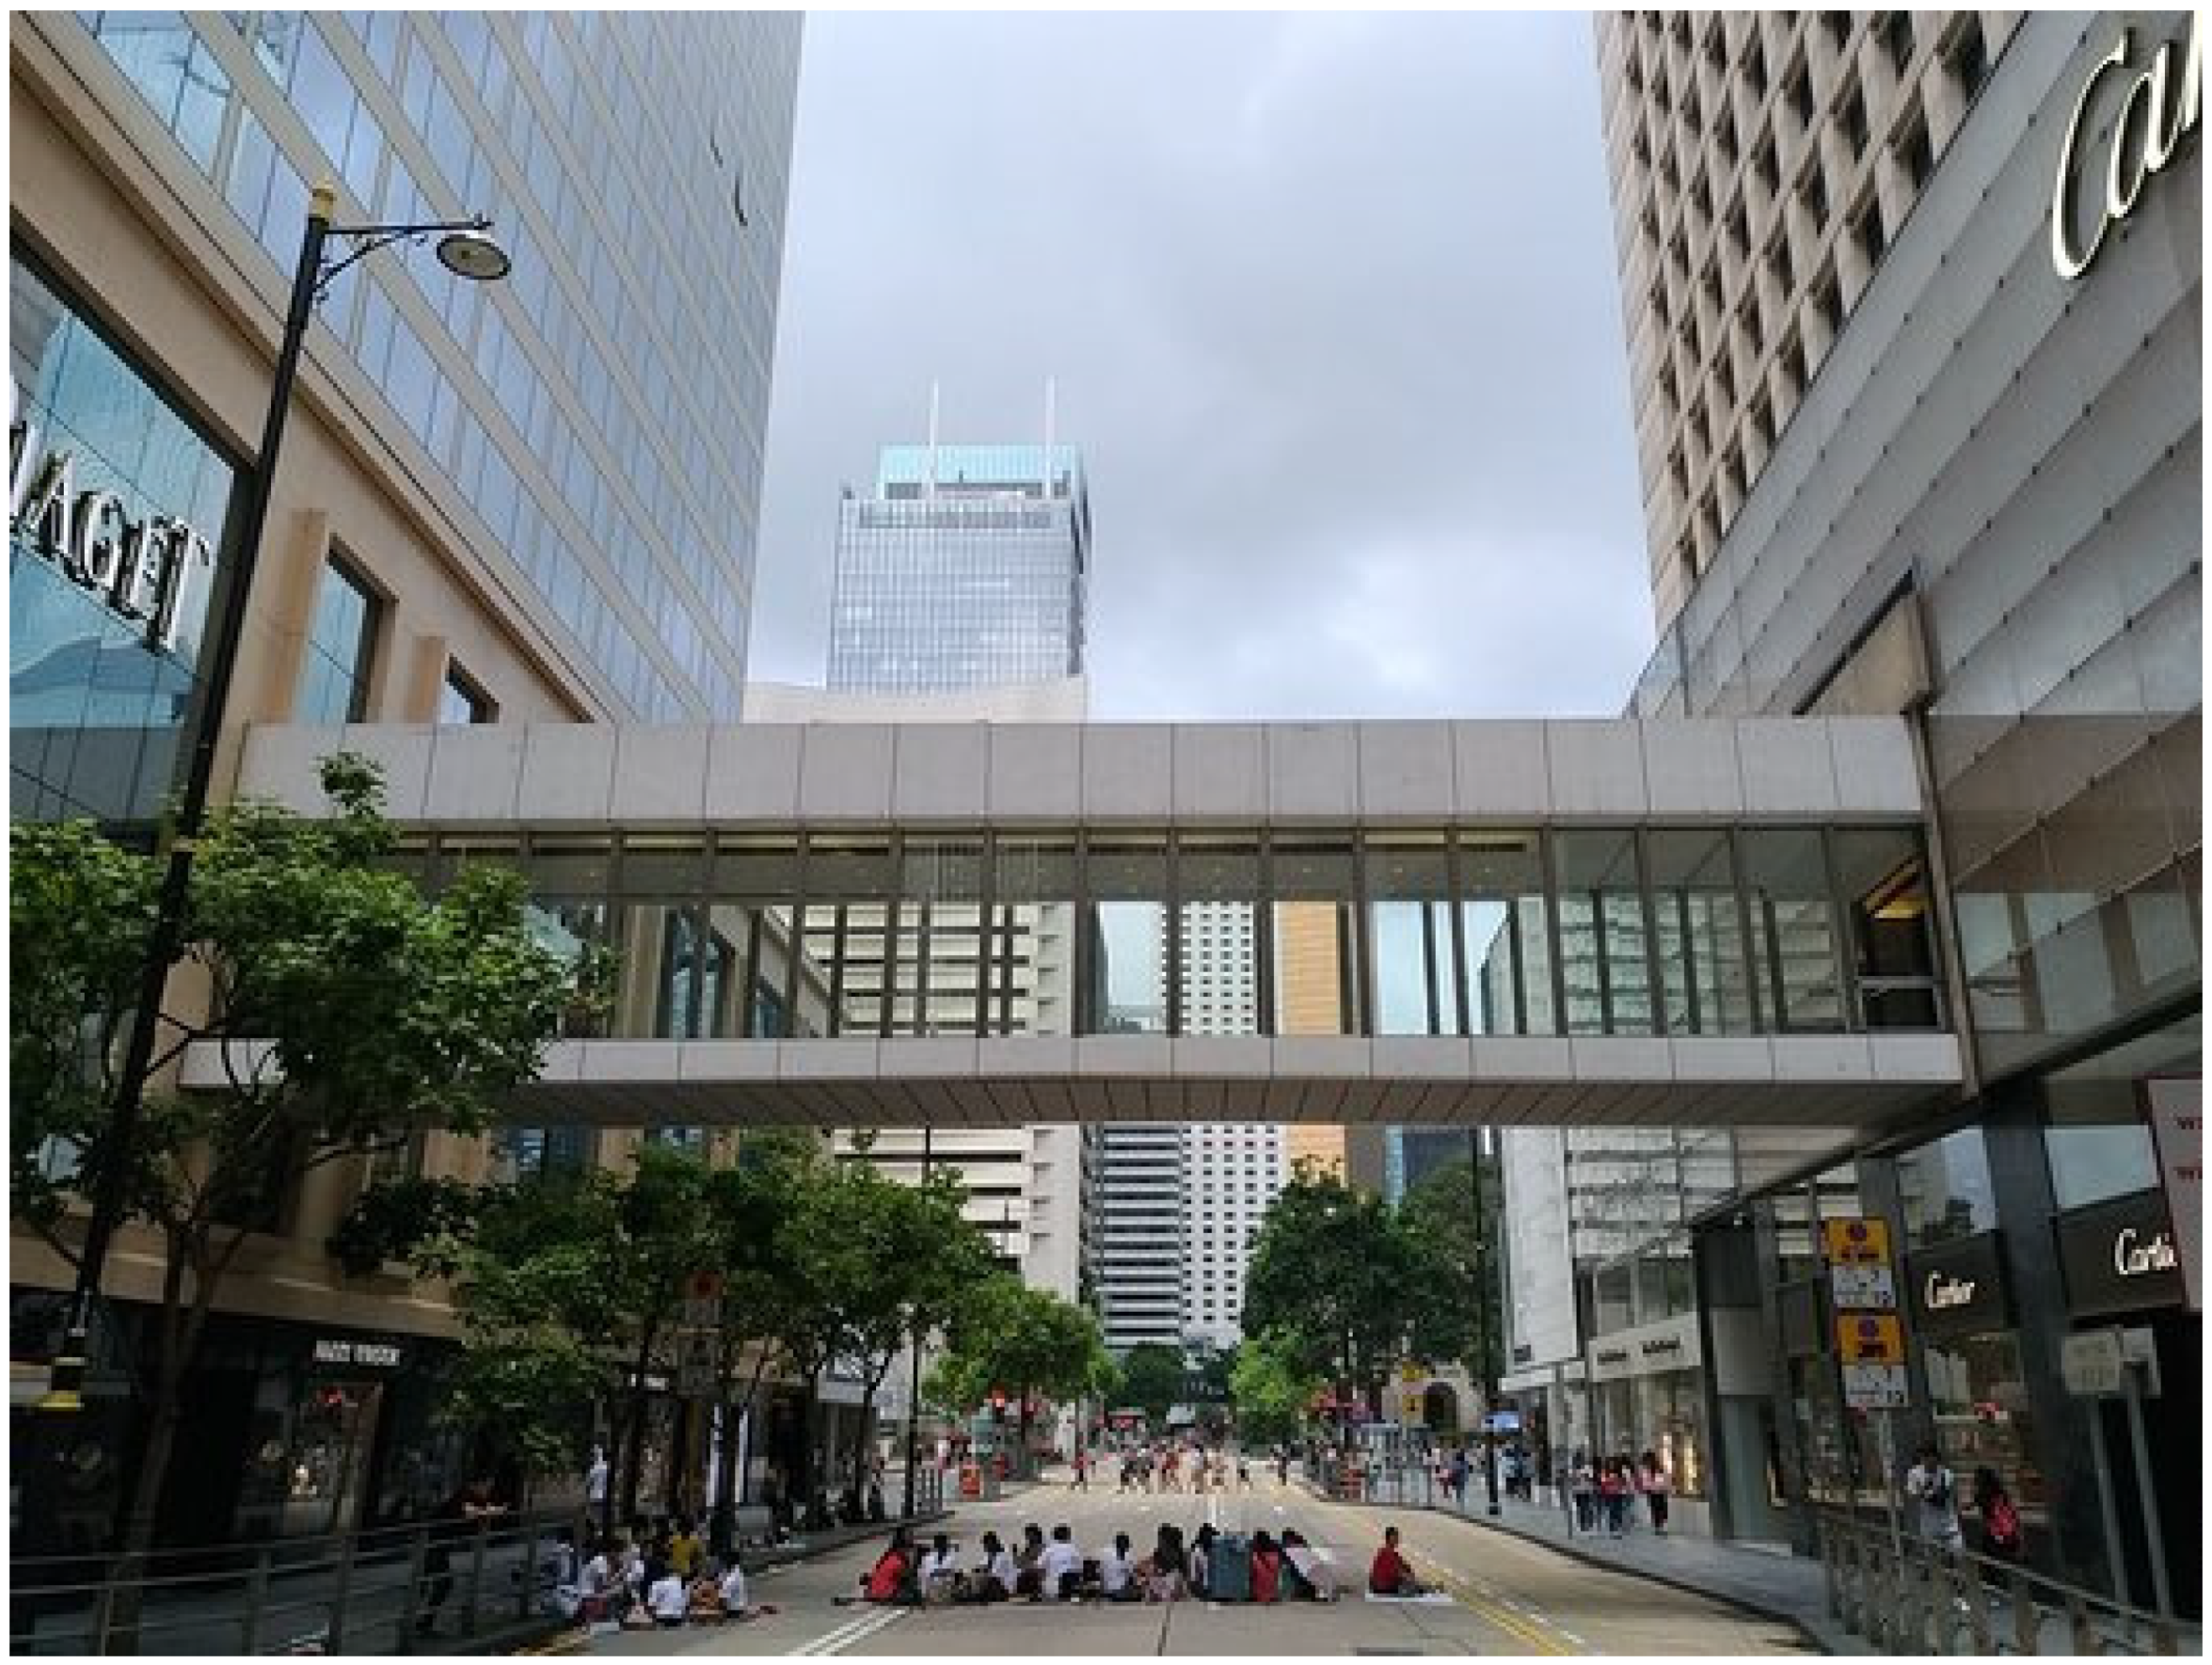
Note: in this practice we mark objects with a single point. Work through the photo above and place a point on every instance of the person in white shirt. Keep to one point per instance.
(734, 1604)
(1063, 1564)
(667, 1599)
(1115, 1568)
(1936, 1489)
(994, 1579)
(938, 1574)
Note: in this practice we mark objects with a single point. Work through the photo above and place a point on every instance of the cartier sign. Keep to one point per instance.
(148, 571)
(2160, 108)
(1958, 1288)
(2120, 1256)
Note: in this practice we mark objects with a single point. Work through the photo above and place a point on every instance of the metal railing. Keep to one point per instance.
(432, 1587)
(387, 1589)
(1905, 1594)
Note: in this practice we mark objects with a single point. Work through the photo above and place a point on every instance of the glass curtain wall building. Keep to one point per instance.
(601, 413)
(965, 568)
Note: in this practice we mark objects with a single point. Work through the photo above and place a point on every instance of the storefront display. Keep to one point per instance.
(1647, 1395)
(1978, 1397)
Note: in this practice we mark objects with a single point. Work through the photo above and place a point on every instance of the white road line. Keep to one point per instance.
(853, 1630)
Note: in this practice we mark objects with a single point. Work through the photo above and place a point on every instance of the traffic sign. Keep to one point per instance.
(1855, 1241)
(1871, 1338)
(1862, 1288)
(1876, 1387)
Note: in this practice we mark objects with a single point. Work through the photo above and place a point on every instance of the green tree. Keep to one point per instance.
(1152, 1378)
(1270, 1388)
(347, 1012)
(1456, 1236)
(1341, 1280)
(1025, 1343)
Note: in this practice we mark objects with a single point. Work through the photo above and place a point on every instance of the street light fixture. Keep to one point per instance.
(466, 250)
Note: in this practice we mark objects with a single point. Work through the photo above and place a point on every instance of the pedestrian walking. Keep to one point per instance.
(1935, 1492)
(1081, 1480)
(1658, 1488)
(1582, 1484)
(2001, 1533)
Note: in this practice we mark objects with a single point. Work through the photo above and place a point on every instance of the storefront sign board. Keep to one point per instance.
(2120, 1257)
(1862, 1288)
(1866, 1338)
(1876, 1387)
(359, 1355)
(2093, 1364)
(1958, 1288)
(2177, 1124)
(1855, 1241)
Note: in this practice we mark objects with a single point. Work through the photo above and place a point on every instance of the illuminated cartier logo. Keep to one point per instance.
(2146, 136)
(143, 570)
(1942, 1293)
(2133, 1258)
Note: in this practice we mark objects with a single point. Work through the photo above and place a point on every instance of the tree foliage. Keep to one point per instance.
(344, 1010)
(1271, 1389)
(1152, 1378)
(1457, 1238)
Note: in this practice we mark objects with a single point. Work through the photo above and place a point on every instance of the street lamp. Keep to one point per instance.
(466, 250)
(1478, 1268)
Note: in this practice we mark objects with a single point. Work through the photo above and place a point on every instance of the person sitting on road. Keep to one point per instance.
(1062, 1565)
(1391, 1573)
(731, 1591)
(1305, 1575)
(1029, 1563)
(668, 1599)
(1267, 1569)
(994, 1579)
(1116, 1571)
(1199, 1566)
(891, 1579)
(938, 1578)
(1166, 1572)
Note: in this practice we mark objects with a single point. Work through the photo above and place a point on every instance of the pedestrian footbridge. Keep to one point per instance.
(1680, 922)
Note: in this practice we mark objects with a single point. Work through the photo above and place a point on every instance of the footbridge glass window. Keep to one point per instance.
(755, 884)
(1892, 959)
(1793, 927)
(660, 939)
(845, 931)
(1128, 957)
(1029, 943)
(1602, 938)
(1704, 981)
(1216, 935)
(1411, 927)
(936, 982)
(1313, 951)
(1505, 933)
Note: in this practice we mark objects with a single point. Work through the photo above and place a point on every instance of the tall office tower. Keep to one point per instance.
(1140, 1209)
(965, 568)
(1915, 302)
(526, 500)
(1762, 163)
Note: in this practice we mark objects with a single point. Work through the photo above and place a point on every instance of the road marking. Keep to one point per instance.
(1490, 1605)
(853, 1630)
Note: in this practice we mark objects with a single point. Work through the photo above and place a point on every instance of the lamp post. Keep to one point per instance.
(1478, 1268)
(913, 1373)
(466, 250)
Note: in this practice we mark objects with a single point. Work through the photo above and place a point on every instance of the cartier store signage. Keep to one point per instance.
(2098, 184)
(1958, 1288)
(2120, 1257)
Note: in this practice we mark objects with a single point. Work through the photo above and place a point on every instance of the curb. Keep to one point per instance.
(1838, 1642)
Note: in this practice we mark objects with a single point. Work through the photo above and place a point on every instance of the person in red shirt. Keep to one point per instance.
(892, 1576)
(1392, 1574)
(1266, 1568)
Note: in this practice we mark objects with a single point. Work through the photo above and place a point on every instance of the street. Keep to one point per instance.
(1507, 1596)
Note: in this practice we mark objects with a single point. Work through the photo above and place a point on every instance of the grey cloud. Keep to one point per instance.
(1330, 302)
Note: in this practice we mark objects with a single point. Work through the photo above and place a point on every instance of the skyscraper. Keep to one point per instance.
(964, 569)
(532, 499)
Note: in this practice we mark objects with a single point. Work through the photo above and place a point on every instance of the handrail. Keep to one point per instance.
(1907, 1595)
(397, 1532)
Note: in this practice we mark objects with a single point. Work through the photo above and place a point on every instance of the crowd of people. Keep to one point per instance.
(1173, 1465)
(1606, 1494)
(1209, 1566)
(662, 1576)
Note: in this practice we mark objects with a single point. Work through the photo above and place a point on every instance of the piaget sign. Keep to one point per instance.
(2160, 108)
(149, 571)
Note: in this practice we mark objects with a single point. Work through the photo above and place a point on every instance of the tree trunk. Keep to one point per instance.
(861, 1441)
(633, 1458)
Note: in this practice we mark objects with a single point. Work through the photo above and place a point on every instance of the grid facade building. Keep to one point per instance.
(964, 568)
(1762, 163)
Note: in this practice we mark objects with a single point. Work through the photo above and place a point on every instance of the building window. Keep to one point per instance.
(1801, 98)
(1867, 232)
(1944, 1189)
(1968, 59)
(1915, 155)
(1897, 40)
(1814, 193)
(1828, 306)
(1839, 28)
(461, 702)
(341, 641)
(1755, 62)
(1853, 116)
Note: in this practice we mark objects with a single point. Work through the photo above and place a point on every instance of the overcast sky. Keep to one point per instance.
(1331, 305)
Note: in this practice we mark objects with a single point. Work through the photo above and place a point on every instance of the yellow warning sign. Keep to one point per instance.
(1855, 1242)
(1871, 1338)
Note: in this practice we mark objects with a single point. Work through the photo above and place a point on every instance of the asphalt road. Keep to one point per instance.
(1509, 1596)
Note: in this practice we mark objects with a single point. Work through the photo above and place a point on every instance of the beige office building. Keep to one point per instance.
(497, 503)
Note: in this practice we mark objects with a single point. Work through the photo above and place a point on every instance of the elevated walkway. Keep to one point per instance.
(1619, 922)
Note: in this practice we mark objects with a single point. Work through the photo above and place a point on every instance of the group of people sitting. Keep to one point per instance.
(1211, 1566)
(667, 1580)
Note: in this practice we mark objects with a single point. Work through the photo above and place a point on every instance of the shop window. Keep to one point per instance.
(341, 641)
(1979, 1400)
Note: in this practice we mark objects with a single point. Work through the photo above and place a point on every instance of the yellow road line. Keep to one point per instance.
(1522, 1629)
